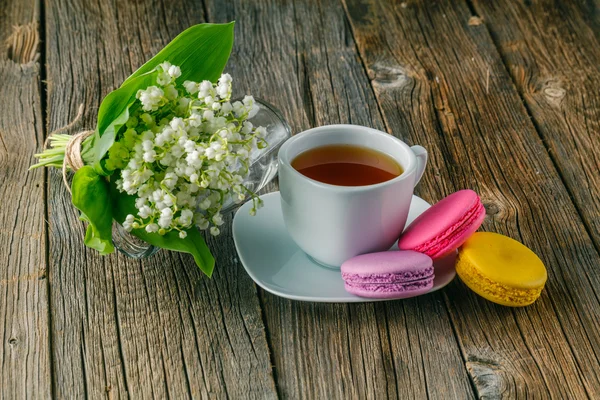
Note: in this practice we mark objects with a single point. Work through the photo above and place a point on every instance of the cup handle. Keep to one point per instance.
(421, 155)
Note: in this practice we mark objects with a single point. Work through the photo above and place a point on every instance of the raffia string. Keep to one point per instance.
(72, 158)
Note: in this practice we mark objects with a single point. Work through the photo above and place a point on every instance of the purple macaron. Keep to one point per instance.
(389, 274)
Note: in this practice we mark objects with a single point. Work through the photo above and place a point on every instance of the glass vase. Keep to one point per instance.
(263, 168)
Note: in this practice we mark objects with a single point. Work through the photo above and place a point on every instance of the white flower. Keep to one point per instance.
(200, 221)
(225, 133)
(191, 87)
(225, 78)
(226, 108)
(161, 139)
(165, 65)
(170, 180)
(189, 170)
(248, 101)
(217, 219)
(253, 111)
(139, 202)
(205, 204)
(150, 156)
(214, 231)
(166, 216)
(176, 151)
(177, 123)
(185, 218)
(261, 131)
(224, 86)
(247, 127)
(127, 224)
(195, 119)
(210, 153)
(167, 201)
(223, 91)
(238, 109)
(163, 78)
(205, 89)
(151, 228)
(144, 211)
(189, 146)
(208, 115)
(151, 98)
(174, 71)
(182, 234)
(147, 145)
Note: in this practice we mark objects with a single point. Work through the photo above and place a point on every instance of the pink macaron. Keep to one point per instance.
(388, 275)
(445, 226)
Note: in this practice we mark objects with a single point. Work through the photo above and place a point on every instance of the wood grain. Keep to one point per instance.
(551, 54)
(503, 95)
(143, 329)
(24, 343)
(441, 83)
(301, 57)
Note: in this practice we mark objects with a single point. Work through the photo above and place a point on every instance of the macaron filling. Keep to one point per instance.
(503, 294)
(398, 287)
(436, 246)
(397, 277)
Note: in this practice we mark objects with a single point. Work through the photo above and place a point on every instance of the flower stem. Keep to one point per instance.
(54, 155)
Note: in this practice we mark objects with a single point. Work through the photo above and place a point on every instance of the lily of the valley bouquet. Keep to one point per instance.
(169, 151)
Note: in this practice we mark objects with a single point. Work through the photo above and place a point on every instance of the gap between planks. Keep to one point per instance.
(44, 106)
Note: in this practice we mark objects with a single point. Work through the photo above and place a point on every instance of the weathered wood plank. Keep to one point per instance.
(301, 57)
(553, 58)
(441, 83)
(24, 343)
(589, 11)
(123, 328)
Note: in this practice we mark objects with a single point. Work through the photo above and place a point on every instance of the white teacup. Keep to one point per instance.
(334, 223)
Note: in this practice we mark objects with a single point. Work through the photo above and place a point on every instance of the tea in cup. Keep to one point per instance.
(346, 190)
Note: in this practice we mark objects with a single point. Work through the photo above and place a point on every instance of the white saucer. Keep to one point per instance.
(276, 264)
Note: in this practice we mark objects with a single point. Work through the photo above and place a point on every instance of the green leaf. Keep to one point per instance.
(193, 244)
(91, 197)
(201, 51)
(114, 113)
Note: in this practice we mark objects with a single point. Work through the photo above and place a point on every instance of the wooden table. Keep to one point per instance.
(503, 94)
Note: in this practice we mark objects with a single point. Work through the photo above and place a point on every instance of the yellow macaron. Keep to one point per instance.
(501, 269)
